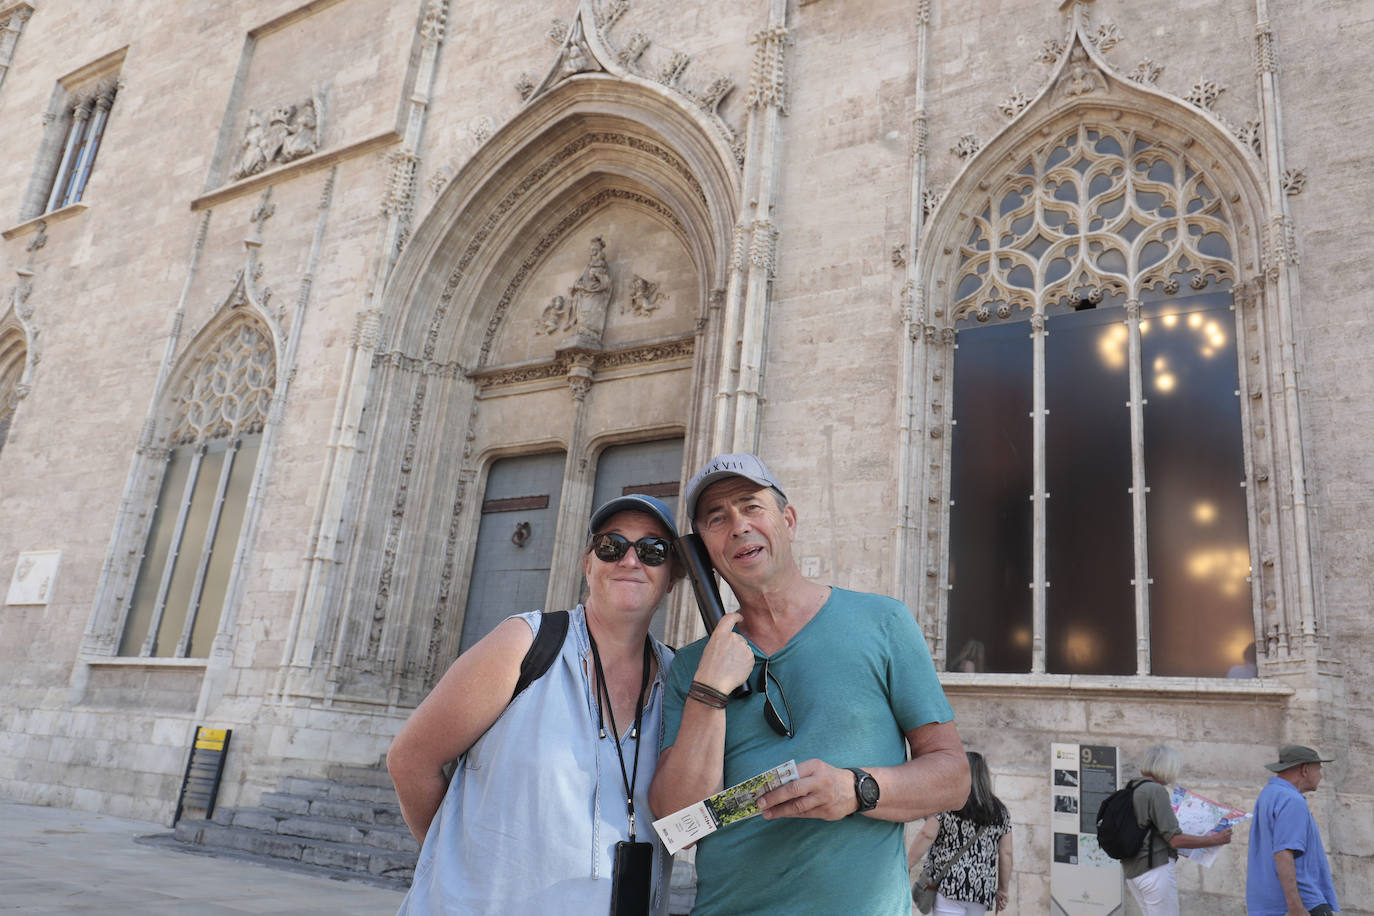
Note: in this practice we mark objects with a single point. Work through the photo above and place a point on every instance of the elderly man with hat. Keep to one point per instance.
(841, 682)
(1288, 872)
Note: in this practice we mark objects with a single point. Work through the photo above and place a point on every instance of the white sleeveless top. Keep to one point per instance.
(530, 821)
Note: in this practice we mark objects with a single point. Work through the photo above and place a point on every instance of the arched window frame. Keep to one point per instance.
(1085, 89)
(221, 398)
(168, 422)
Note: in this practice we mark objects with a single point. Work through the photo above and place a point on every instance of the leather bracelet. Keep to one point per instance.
(711, 692)
(707, 696)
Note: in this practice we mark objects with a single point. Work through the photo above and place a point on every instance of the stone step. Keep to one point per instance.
(390, 836)
(349, 774)
(340, 790)
(378, 863)
(349, 823)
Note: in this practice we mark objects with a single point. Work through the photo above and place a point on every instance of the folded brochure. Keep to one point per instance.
(737, 803)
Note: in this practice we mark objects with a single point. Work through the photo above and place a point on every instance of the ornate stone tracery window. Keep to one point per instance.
(220, 404)
(1085, 538)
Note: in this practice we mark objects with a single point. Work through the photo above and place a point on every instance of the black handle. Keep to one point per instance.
(698, 562)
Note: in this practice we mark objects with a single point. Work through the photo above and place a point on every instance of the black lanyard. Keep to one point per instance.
(628, 779)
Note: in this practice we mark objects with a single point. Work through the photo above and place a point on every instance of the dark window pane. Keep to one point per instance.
(990, 484)
(1090, 606)
(179, 595)
(223, 549)
(1199, 554)
(155, 551)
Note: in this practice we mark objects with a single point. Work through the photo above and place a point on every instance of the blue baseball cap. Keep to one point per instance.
(634, 502)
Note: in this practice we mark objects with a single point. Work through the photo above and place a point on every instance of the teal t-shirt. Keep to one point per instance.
(857, 678)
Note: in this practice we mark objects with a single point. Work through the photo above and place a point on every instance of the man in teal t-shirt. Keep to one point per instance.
(841, 680)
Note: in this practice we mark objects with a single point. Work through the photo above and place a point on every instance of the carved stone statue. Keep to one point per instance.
(591, 295)
(302, 139)
(251, 159)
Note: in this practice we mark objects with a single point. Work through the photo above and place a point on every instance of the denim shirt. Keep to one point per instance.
(530, 821)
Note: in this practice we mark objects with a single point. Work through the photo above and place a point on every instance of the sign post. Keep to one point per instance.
(1084, 880)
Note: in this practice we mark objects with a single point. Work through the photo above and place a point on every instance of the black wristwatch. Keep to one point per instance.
(865, 790)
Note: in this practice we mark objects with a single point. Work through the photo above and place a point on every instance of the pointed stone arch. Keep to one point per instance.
(1103, 186)
(445, 395)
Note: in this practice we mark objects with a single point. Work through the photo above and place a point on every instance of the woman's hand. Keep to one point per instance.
(1003, 899)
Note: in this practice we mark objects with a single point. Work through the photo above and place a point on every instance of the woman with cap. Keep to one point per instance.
(1150, 872)
(547, 809)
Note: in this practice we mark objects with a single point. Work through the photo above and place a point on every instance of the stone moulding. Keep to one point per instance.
(293, 169)
(39, 223)
(490, 381)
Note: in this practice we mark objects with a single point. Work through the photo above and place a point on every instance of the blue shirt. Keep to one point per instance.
(857, 677)
(1283, 821)
(529, 823)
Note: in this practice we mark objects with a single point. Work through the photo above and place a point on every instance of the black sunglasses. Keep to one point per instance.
(652, 551)
(770, 712)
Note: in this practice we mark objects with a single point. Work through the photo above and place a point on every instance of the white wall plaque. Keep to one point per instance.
(34, 576)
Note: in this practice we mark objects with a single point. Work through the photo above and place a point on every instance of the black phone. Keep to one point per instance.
(630, 878)
(692, 550)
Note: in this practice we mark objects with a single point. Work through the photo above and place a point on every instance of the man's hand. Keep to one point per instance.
(727, 661)
(820, 791)
(1221, 837)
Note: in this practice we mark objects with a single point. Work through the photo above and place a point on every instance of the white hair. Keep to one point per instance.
(1161, 762)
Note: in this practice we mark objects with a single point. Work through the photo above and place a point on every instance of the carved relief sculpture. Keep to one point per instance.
(291, 133)
(303, 138)
(556, 317)
(644, 296)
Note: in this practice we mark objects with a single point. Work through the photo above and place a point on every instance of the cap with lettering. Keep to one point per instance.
(750, 467)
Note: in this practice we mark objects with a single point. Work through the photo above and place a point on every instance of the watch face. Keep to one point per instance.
(866, 789)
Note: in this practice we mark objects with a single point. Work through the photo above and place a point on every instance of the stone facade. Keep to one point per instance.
(447, 234)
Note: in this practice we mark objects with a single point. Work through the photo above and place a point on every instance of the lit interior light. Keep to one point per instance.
(1204, 513)
(1169, 320)
(1160, 364)
(1021, 637)
(1110, 346)
(1207, 351)
(1165, 381)
(1144, 326)
(1224, 567)
(1194, 320)
(1083, 647)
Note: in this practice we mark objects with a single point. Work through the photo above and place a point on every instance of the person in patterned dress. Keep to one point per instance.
(980, 874)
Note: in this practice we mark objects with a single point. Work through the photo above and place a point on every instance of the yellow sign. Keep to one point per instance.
(210, 739)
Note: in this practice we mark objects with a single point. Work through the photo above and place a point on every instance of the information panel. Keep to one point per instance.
(1084, 880)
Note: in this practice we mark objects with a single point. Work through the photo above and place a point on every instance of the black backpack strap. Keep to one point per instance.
(1149, 830)
(548, 642)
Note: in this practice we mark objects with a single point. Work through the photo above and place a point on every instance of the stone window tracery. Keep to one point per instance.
(1084, 538)
(220, 406)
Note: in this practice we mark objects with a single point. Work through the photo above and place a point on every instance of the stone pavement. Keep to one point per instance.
(56, 860)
